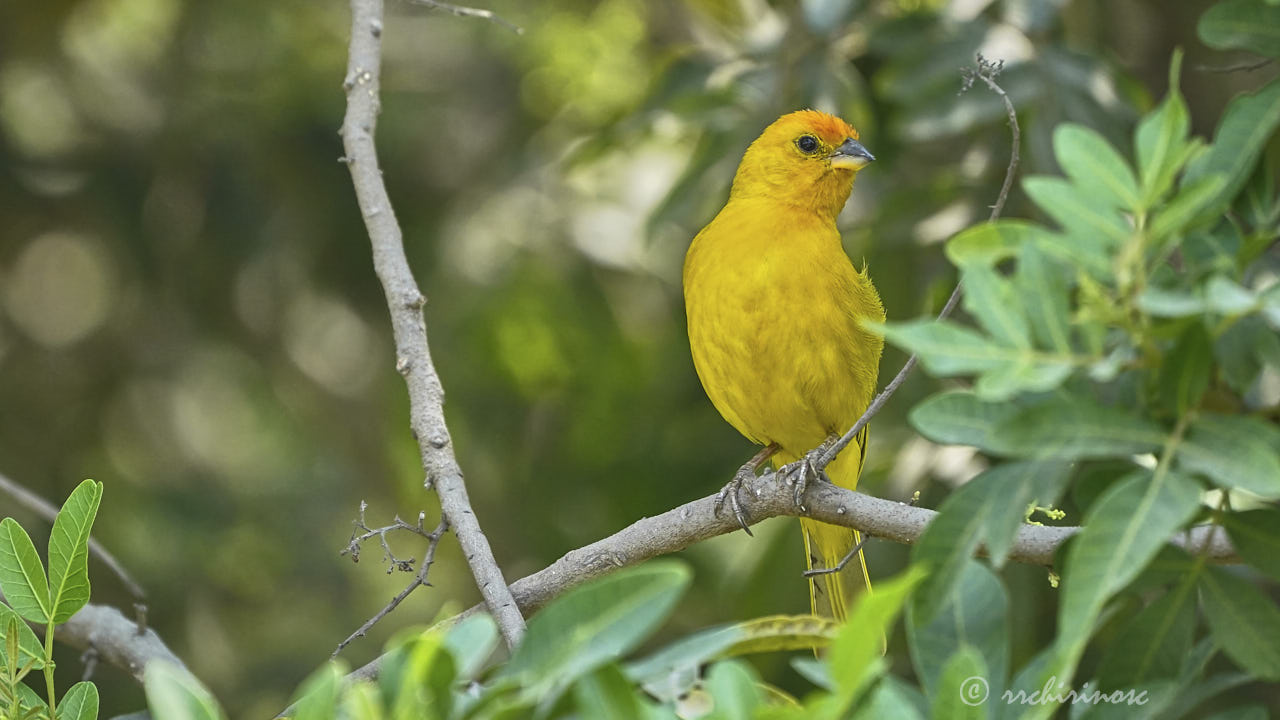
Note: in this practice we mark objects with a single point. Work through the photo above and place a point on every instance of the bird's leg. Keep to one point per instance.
(746, 472)
(798, 473)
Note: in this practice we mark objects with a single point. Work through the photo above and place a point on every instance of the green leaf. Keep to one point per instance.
(1234, 452)
(855, 656)
(1122, 532)
(959, 417)
(472, 641)
(678, 661)
(1226, 297)
(1042, 289)
(1094, 166)
(1243, 130)
(947, 349)
(79, 703)
(1066, 428)
(362, 701)
(174, 694)
(1185, 371)
(426, 678)
(1244, 349)
(1024, 376)
(317, 698)
(22, 578)
(606, 694)
(1076, 213)
(593, 624)
(975, 614)
(1161, 140)
(69, 551)
(963, 687)
(1242, 25)
(1192, 201)
(891, 698)
(1245, 622)
(990, 299)
(993, 242)
(1170, 303)
(1014, 487)
(1256, 536)
(733, 686)
(1151, 645)
(30, 651)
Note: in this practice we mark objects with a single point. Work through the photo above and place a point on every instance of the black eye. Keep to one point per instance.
(807, 143)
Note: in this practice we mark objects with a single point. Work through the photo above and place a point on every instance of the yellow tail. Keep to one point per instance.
(826, 545)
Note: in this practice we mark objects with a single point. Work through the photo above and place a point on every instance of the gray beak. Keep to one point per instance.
(854, 149)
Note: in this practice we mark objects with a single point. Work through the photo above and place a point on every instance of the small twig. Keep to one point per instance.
(462, 11)
(408, 325)
(986, 71)
(49, 512)
(419, 580)
(815, 572)
(140, 617)
(1239, 67)
(393, 563)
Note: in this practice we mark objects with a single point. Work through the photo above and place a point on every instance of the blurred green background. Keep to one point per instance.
(188, 310)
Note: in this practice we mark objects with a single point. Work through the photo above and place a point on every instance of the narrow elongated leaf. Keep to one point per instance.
(472, 641)
(1245, 622)
(1245, 126)
(990, 298)
(594, 624)
(1196, 199)
(1015, 486)
(22, 578)
(959, 417)
(317, 697)
(1042, 289)
(1075, 212)
(1094, 166)
(1161, 139)
(990, 243)
(1250, 25)
(1168, 302)
(947, 349)
(79, 703)
(1123, 531)
(854, 657)
(1225, 296)
(1256, 536)
(1023, 376)
(30, 651)
(69, 551)
(1076, 428)
(1153, 644)
(1234, 452)
(974, 615)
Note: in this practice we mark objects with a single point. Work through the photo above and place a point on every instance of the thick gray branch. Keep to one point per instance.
(695, 521)
(115, 638)
(405, 301)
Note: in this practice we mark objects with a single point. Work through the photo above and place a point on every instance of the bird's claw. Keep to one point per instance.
(730, 492)
(798, 474)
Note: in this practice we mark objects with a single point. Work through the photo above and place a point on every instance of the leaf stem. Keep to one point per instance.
(48, 668)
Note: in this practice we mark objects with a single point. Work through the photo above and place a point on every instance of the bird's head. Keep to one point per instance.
(806, 159)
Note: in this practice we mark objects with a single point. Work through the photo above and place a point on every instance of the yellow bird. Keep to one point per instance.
(775, 308)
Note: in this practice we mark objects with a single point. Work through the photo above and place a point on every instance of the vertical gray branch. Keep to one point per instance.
(405, 302)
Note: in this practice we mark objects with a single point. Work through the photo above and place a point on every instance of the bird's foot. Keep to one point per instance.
(798, 474)
(730, 491)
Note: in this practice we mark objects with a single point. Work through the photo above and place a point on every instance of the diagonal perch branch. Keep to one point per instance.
(696, 521)
(405, 302)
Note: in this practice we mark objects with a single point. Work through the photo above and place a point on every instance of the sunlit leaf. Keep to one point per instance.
(990, 298)
(1094, 166)
(22, 578)
(69, 551)
(174, 694)
(1075, 212)
(962, 687)
(79, 703)
(1161, 139)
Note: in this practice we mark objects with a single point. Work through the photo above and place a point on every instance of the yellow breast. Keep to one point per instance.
(774, 306)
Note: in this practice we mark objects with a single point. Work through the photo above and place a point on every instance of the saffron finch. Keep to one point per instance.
(775, 309)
